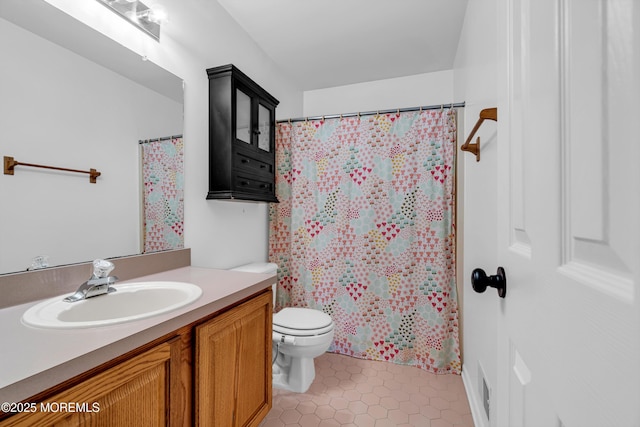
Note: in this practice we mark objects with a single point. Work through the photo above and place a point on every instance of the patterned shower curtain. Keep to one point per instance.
(163, 188)
(364, 231)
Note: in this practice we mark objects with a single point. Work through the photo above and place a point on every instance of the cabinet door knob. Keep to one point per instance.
(244, 182)
(244, 161)
(480, 281)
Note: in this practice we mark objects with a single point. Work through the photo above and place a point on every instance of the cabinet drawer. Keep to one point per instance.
(251, 164)
(243, 182)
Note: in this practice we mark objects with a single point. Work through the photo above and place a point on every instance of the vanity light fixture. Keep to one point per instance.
(146, 18)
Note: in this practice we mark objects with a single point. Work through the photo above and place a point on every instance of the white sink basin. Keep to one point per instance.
(131, 301)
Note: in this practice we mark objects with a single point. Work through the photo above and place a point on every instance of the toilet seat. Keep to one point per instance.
(302, 322)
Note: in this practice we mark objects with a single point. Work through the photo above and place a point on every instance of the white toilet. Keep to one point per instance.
(299, 335)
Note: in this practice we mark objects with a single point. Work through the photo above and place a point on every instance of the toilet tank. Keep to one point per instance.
(261, 267)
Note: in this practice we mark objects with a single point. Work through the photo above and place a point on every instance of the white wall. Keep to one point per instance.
(412, 91)
(60, 109)
(200, 35)
(475, 82)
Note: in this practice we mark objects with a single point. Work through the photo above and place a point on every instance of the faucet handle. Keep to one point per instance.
(102, 268)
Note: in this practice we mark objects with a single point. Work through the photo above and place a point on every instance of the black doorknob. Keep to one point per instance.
(480, 281)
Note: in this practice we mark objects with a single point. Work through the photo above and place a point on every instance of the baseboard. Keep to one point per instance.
(477, 410)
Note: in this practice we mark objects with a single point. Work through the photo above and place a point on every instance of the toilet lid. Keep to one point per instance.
(302, 322)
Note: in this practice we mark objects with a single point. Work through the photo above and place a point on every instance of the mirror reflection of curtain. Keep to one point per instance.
(364, 231)
(163, 189)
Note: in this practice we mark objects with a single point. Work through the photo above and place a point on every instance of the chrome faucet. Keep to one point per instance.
(98, 284)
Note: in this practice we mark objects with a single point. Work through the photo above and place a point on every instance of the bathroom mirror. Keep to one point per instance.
(74, 98)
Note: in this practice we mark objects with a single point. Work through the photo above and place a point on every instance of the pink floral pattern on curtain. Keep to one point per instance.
(364, 231)
(163, 189)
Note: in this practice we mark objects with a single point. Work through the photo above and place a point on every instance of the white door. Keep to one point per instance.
(569, 213)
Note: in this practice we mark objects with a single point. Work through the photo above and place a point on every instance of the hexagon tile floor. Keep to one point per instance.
(364, 393)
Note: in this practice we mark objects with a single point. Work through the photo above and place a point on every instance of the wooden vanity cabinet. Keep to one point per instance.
(241, 137)
(233, 366)
(217, 370)
(142, 391)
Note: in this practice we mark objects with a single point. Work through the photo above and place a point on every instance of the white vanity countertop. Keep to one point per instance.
(33, 359)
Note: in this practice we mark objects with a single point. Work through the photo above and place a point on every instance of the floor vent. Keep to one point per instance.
(486, 400)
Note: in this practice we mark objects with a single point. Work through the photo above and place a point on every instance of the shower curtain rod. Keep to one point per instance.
(164, 138)
(371, 113)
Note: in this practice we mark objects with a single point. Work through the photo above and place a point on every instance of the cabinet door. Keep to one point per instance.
(138, 392)
(233, 366)
(254, 121)
(244, 126)
(264, 128)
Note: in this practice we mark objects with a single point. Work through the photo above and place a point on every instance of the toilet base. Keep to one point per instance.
(293, 373)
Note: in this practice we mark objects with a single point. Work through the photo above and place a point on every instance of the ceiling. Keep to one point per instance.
(332, 43)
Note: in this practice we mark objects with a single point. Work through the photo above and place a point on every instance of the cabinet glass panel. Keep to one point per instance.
(264, 126)
(243, 117)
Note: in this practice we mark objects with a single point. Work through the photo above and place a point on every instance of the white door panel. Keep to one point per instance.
(569, 213)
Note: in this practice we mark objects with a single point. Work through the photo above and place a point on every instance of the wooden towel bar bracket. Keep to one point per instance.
(486, 114)
(10, 164)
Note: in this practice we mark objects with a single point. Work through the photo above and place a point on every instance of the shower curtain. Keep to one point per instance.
(364, 232)
(163, 188)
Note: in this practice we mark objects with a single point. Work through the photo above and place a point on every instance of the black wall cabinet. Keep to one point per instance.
(242, 137)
